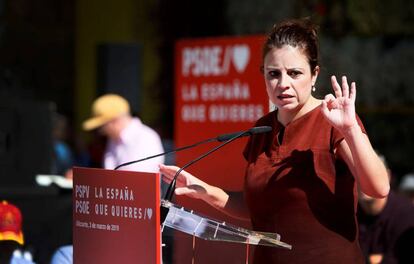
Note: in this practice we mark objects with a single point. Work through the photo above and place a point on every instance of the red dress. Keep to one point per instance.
(302, 191)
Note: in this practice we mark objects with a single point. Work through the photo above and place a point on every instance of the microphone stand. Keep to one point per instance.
(171, 188)
(226, 138)
(165, 153)
(220, 138)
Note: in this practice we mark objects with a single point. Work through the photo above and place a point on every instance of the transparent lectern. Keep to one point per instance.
(190, 223)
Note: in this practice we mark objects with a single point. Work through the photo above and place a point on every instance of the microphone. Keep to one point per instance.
(251, 131)
(220, 138)
(227, 138)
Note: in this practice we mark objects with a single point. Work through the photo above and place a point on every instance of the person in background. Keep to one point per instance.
(301, 178)
(406, 186)
(386, 227)
(11, 235)
(128, 138)
(63, 155)
(63, 255)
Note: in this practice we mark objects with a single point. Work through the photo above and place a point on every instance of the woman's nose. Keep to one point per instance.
(283, 82)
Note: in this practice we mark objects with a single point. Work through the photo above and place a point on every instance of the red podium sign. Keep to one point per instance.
(116, 216)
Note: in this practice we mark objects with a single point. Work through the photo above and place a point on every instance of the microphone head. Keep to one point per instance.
(251, 131)
(260, 129)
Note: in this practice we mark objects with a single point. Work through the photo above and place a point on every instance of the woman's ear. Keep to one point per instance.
(315, 74)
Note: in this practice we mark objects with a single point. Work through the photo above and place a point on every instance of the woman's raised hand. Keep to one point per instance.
(187, 184)
(339, 110)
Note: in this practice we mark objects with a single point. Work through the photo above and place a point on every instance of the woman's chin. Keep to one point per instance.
(287, 107)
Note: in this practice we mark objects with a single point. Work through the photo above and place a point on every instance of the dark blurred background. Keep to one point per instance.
(56, 56)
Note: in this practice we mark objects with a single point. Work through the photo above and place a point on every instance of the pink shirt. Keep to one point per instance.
(137, 141)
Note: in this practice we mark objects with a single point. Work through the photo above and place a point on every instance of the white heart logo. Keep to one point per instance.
(241, 56)
(149, 213)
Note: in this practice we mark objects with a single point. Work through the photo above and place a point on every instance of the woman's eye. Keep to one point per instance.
(273, 74)
(294, 73)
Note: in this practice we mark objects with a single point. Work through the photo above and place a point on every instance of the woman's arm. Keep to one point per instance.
(356, 149)
(231, 203)
(366, 166)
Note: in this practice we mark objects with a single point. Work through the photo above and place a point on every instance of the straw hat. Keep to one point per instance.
(106, 108)
(10, 223)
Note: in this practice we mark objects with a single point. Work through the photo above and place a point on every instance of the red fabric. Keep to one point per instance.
(300, 190)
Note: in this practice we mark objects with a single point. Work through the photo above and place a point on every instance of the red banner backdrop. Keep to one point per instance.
(219, 89)
(116, 217)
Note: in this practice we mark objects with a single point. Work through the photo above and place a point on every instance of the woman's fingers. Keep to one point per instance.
(168, 172)
(352, 94)
(185, 183)
(344, 90)
(330, 102)
(345, 87)
(192, 190)
(336, 87)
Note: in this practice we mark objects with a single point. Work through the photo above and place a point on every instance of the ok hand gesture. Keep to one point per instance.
(339, 110)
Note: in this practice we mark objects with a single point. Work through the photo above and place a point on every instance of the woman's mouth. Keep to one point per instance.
(284, 96)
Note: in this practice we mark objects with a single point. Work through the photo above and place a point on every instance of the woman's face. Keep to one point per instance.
(288, 78)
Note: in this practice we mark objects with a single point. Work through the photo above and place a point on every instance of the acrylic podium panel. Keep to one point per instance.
(116, 217)
(193, 224)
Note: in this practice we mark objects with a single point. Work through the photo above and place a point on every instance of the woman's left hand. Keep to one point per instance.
(339, 110)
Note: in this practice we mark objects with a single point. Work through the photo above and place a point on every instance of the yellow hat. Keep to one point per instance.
(104, 109)
(10, 223)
